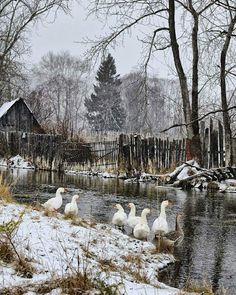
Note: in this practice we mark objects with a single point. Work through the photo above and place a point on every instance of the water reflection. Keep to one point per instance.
(208, 249)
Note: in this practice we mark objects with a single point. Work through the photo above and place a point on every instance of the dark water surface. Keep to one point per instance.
(208, 251)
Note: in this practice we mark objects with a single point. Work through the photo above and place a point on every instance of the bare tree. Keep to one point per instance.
(16, 19)
(221, 36)
(61, 78)
(163, 107)
(223, 73)
(160, 18)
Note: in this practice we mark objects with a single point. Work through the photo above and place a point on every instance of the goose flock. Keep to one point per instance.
(138, 224)
(141, 229)
(55, 203)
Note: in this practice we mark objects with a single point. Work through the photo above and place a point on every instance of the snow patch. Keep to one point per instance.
(53, 245)
(17, 162)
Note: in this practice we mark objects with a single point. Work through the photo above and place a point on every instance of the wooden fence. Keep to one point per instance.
(212, 139)
(132, 153)
(46, 151)
(126, 153)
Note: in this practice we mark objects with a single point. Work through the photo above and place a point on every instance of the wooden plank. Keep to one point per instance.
(206, 149)
(211, 145)
(215, 148)
(151, 155)
(144, 154)
(157, 154)
(221, 145)
(137, 153)
(164, 154)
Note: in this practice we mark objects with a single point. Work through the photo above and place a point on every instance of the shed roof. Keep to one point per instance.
(7, 105)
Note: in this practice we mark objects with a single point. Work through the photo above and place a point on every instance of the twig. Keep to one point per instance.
(199, 119)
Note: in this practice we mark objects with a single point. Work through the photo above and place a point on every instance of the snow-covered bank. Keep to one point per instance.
(17, 162)
(55, 247)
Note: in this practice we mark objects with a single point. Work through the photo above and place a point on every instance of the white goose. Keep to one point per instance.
(142, 230)
(119, 219)
(160, 225)
(72, 208)
(132, 218)
(56, 202)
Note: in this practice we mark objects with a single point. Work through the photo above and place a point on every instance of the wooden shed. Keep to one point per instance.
(16, 115)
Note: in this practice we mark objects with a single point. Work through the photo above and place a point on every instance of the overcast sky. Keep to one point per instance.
(66, 30)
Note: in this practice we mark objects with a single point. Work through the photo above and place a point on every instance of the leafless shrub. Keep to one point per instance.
(8, 251)
(5, 190)
(23, 267)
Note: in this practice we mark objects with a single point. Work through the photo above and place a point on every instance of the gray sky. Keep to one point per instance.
(62, 35)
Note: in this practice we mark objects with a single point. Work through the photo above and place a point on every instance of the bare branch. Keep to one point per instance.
(200, 119)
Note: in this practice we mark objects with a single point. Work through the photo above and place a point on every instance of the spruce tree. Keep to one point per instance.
(104, 108)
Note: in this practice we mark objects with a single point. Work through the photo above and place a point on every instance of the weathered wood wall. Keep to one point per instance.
(104, 155)
(46, 151)
(128, 153)
(212, 139)
(132, 154)
(19, 118)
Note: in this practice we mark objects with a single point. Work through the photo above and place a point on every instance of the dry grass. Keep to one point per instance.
(35, 206)
(199, 286)
(71, 216)
(87, 252)
(49, 213)
(82, 222)
(6, 252)
(9, 255)
(132, 258)
(13, 291)
(5, 190)
(137, 273)
(76, 284)
(134, 267)
(24, 268)
(73, 284)
(107, 265)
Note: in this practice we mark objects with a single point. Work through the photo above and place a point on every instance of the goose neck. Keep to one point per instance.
(132, 212)
(144, 216)
(73, 201)
(163, 210)
(58, 195)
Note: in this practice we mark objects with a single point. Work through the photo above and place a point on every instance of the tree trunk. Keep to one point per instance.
(224, 103)
(193, 146)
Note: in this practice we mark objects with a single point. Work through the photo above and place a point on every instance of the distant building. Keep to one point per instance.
(15, 115)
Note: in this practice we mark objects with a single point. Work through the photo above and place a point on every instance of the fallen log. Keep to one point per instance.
(189, 174)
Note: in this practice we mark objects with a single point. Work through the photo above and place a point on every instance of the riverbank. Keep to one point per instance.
(52, 255)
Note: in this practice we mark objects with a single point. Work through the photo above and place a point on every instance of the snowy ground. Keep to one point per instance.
(16, 162)
(52, 245)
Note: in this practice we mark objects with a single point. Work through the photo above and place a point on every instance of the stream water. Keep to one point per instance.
(208, 249)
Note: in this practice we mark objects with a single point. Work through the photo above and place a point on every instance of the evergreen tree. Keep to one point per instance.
(104, 108)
